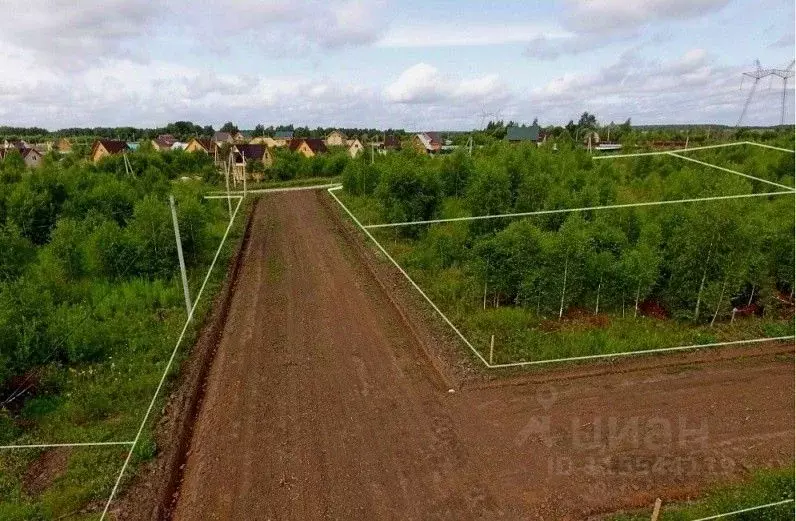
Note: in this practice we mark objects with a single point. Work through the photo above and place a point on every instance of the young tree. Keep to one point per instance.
(455, 173)
(409, 195)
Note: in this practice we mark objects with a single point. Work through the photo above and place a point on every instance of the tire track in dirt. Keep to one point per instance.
(319, 405)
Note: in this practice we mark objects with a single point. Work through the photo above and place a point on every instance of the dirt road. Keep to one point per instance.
(320, 405)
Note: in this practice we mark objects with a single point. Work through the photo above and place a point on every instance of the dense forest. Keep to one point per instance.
(595, 272)
(90, 308)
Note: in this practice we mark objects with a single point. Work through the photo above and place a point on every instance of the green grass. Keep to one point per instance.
(523, 334)
(106, 400)
(765, 486)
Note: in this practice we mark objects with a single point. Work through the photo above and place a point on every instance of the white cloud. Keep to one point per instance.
(289, 26)
(615, 15)
(786, 41)
(424, 83)
(73, 35)
(69, 34)
(449, 35)
(596, 23)
(691, 88)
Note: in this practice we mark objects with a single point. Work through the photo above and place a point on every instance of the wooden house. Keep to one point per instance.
(308, 147)
(30, 156)
(336, 139)
(201, 145)
(63, 146)
(163, 142)
(223, 137)
(427, 142)
(354, 147)
(283, 137)
(267, 141)
(244, 154)
(107, 147)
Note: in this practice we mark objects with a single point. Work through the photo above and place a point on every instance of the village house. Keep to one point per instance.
(354, 147)
(519, 134)
(201, 145)
(336, 139)
(107, 147)
(30, 156)
(63, 146)
(223, 137)
(246, 153)
(390, 143)
(267, 141)
(283, 137)
(308, 147)
(19, 145)
(428, 142)
(163, 142)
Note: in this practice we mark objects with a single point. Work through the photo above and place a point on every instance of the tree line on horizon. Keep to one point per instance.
(496, 129)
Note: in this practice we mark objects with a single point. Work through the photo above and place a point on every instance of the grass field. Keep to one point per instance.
(764, 487)
(106, 400)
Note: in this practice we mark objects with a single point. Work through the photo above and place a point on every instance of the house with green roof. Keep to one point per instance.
(516, 134)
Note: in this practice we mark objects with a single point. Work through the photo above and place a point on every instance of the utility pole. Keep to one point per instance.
(245, 173)
(229, 201)
(185, 290)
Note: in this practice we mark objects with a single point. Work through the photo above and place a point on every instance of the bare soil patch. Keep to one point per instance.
(43, 472)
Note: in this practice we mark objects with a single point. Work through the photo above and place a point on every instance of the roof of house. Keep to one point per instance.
(430, 141)
(252, 151)
(113, 146)
(162, 144)
(340, 132)
(28, 151)
(523, 133)
(283, 134)
(434, 137)
(207, 144)
(222, 136)
(316, 145)
(392, 142)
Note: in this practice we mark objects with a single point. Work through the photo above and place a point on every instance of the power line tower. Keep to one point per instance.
(758, 74)
(785, 74)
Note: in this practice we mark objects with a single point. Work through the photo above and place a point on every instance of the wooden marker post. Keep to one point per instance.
(180, 257)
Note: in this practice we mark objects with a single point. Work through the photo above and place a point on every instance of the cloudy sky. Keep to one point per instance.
(430, 64)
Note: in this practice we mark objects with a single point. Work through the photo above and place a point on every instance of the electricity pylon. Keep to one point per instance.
(785, 74)
(757, 74)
